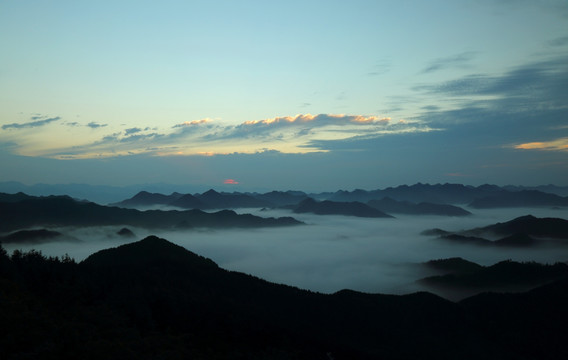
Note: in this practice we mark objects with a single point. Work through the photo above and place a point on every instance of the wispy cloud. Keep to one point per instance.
(299, 125)
(536, 81)
(289, 134)
(456, 61)
(381, 67)
(38, 121)
(134, 130)
(192, 123)
(552, 145)
(561, 41)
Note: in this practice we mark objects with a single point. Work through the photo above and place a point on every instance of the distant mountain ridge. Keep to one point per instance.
(418, 199)
(144, 198)
(452, 194)
(522, 198)
(65, 211)
(328, 207)
(389, 205)
(36, 236)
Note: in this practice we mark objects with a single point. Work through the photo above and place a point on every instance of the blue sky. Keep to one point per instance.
(314, 95)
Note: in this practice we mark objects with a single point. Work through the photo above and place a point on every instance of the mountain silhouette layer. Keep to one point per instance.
(460, 278)
(65, 211)
(328, 207)
(389, 205)
(522, 231)
(523, 198)
(36, 236)
(154, 297)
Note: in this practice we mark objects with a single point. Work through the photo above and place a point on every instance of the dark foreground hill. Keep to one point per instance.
(155, 300)
(64, 211)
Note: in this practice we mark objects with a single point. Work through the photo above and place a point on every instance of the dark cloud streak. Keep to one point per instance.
(133, 130)
(460, 60)
(544, 83)
(561, 41)
(94, 125)
(39, 121)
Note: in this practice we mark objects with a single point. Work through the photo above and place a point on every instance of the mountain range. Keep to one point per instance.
(418, 199)
(455, 194)
(153, 299)
(19, 211)
(390, 205)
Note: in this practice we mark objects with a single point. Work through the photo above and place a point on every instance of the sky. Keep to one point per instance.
(310, 95)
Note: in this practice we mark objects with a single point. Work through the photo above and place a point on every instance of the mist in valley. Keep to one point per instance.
(329, 253)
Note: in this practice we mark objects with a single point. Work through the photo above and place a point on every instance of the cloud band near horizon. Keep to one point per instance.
(288, 134)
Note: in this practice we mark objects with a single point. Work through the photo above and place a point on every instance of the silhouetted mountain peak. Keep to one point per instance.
(125, 232)
(523, 218)
(530, 225)
(211, 192)
(455, 264)
(144, 198)
(141, 194)
(150, 250)
(188, 201)
(14, 197)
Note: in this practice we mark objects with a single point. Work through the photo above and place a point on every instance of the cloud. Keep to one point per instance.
(140, 137)
(230, 182)
(552, 145)
(371, 140)
(192, 123)
(542, 81)
(289, 134)
(459, 61)
(94, 125)
(38, 121)
(300, 125)
(561, 41)
(133, 130)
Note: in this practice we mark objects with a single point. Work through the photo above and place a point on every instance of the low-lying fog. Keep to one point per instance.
(330, 253)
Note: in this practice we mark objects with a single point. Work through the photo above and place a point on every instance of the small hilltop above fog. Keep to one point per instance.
(522, 231)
